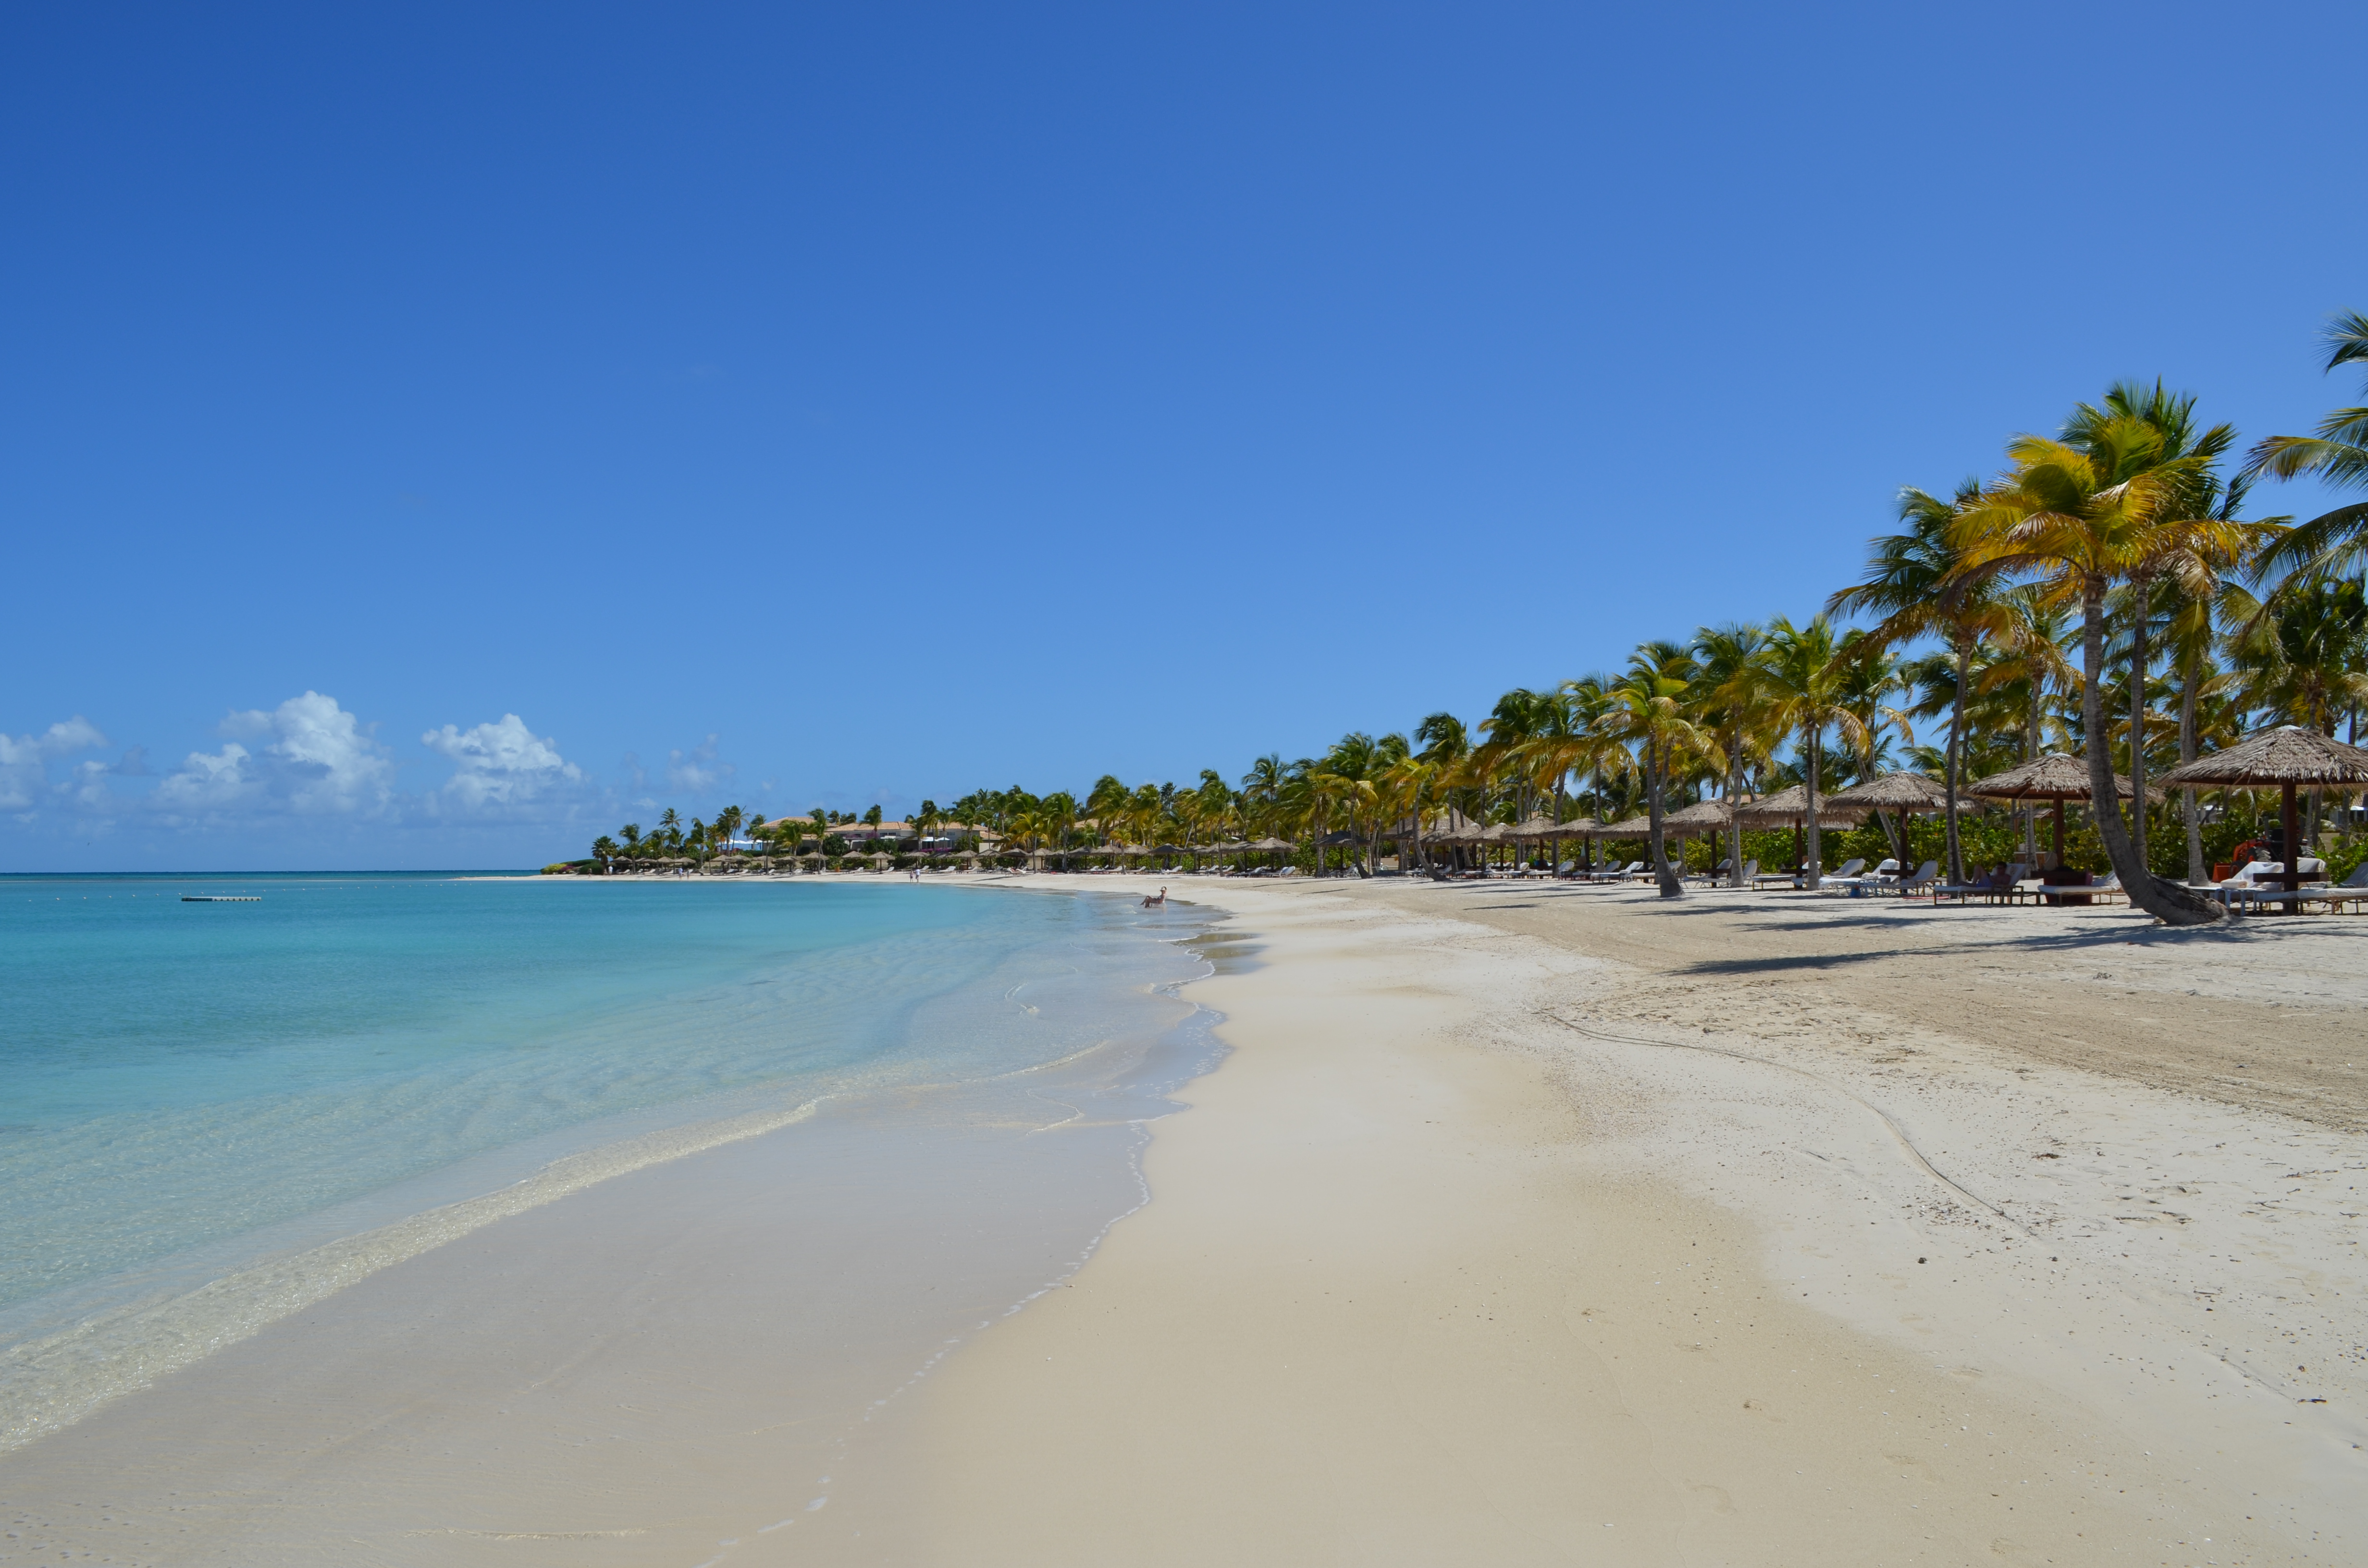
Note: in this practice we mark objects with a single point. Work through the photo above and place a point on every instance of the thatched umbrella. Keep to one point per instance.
(1703, 816)
(1907, 794)
(1893, 792)
(1272, 846)
(1792, 806)
(2278, 760)
(2053, 776)
(1537, 827)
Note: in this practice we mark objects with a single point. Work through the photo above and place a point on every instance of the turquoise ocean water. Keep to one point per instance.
(186, 1088)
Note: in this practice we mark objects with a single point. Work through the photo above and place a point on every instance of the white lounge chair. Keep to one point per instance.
(1926, 875)
(2353, 889)
(1845, 878)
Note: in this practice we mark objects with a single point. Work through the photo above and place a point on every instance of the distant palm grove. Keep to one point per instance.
(2105, 594)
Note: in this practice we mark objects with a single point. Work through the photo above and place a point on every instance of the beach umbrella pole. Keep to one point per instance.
(2293, 877)
(2059, 833)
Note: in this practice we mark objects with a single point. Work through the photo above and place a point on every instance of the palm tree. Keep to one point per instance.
(1262, 789)
(604, 849)
(1913, 583)
(1731, 698)
(1520, 716)
(1446, 748)
(1806, 672)
(1868, 681)
(1649, 703)
(2338, 455)
(2109, 501)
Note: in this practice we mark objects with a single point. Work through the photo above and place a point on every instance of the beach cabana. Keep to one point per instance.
(1907, 794)
(1792, 806)
(1703, 816)
(2283, 759)
(2053, 776)
(1893, 792)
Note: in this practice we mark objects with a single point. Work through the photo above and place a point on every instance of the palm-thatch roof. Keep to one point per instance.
(2052, 776)
(2270, 758)
(1786, 804)
(1895, 792)
(1272, 845)
(1629, 827)
(1699, 818)
(1546, 828)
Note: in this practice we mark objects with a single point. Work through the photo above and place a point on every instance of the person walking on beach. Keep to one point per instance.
(1156, 901)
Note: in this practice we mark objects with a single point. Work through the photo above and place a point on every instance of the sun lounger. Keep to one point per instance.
(1846, 880)
(1988, 890)
(1926, 875)
(2352, 891)
(1621, 874)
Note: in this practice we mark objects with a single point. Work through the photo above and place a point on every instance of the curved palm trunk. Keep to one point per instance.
(1956, 851)
(2170, 902)
(1671, 886)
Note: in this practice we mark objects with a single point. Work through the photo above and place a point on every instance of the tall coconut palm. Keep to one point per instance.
(1520, 716)
(1912, 583)
(1869, 681)
(1649, 705)
(2080, 513)
(2026, 667)
(1106, 803)
(2333, 542)
(1805, 671)
(1445, 750)
(1731, 700)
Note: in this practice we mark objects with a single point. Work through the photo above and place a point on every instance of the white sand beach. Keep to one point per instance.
(1951, 1235)
(1523, 1223)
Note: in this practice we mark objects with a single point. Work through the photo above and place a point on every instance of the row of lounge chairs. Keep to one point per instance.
(2261, 886)
(2253, 889)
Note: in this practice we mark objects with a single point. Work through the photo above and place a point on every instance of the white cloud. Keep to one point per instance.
(502, 765)
(697, 771)
(24, 759)
(314, 759)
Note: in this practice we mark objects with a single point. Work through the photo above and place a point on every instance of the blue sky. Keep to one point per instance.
(432, 434)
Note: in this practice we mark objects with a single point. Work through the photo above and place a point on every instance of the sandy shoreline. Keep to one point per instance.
(1433, 1276)
(1523, 1224)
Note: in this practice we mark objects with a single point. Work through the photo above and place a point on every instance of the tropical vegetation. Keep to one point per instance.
(2103, 592)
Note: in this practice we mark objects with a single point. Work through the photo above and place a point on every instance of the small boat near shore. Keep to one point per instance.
(222, 898)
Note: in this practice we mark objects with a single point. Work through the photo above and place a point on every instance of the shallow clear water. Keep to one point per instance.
(192, 1081)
